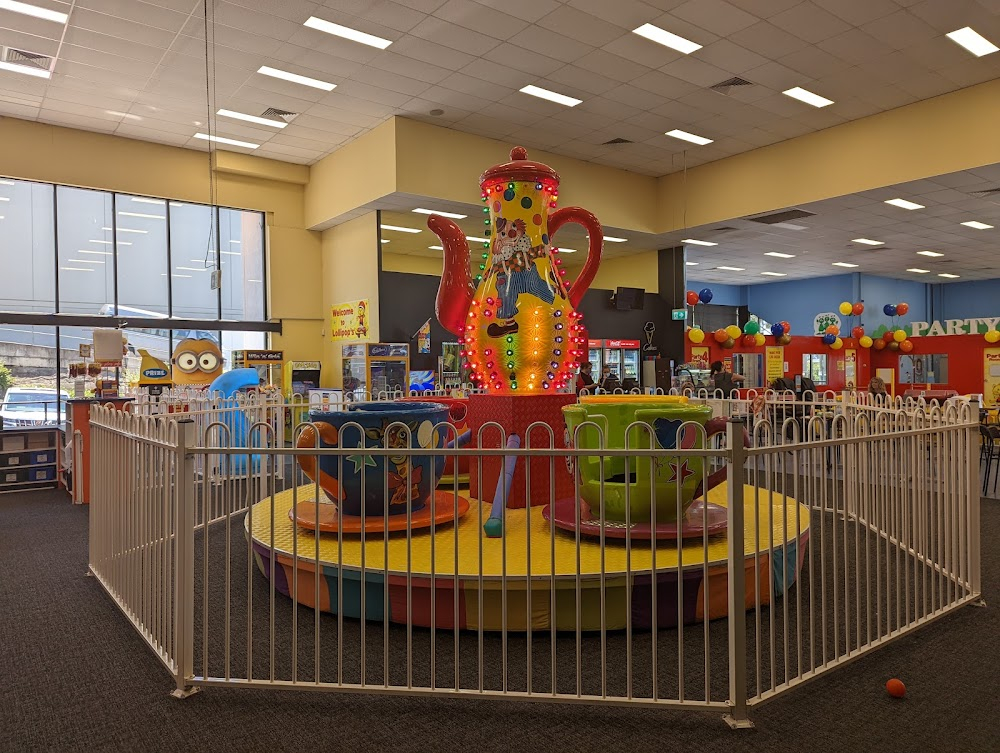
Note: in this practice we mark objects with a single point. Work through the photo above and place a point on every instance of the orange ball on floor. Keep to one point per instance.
(895, 688)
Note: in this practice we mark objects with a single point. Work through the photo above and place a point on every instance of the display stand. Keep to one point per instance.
(78, 420)
(29, 459)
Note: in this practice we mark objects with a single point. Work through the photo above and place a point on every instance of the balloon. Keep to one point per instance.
(906, 346)
(833, 329)
(758, 339)
(893, 345)
(889, 336)
(705, 295)
(899, 335)
(858, 308)
(777, 330)
(748, 341)
(837, 344)
(858, 332)
(733, 331)
(721, 335)
(829, 338)
(902, 309)
(992, 336)
(889, 309)
(879, 344)
(696, 336)
(786, 327)
(751, 328)
(845, 308)
(784, 340)
(728, 343)
(692, 298)
(865, 342)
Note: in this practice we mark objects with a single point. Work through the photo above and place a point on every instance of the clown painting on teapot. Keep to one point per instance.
(510, 305)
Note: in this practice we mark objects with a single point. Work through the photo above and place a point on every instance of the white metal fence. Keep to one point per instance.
(846, 524)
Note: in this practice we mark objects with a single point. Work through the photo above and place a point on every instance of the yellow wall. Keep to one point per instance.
(416, 265)
(350, 273)
(636, 271)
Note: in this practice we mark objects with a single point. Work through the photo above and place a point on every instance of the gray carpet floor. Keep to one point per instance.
(75, 676)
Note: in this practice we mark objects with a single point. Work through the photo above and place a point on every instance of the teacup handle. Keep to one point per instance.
(581, 217)
(713, 427)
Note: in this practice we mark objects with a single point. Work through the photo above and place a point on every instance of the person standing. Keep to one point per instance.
(724, 380)
(585, 380)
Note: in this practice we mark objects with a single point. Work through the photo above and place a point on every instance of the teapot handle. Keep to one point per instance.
(581, 217)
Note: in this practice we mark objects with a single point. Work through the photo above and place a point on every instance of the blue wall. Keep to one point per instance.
(965, 300)
(798, 301)
(878, 291)
(722, 295)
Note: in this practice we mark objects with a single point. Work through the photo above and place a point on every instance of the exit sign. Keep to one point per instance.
(679, 315)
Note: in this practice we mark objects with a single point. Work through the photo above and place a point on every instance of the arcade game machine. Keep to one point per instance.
(299, 378)
(373, 368)
(268, 364)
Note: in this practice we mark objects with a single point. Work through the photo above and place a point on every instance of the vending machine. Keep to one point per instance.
(623, 358)
(595, 356)
(372, 369)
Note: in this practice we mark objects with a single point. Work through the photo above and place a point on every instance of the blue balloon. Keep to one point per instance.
(829, 339)
(889, 309)
(777, 330)
(705, 295)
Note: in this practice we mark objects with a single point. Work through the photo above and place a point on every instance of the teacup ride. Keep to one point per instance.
(456, 470)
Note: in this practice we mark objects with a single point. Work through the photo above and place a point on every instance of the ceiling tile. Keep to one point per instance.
(480, 18)
(581, 26)
(766, 38)
(555, 45)
(526, 10)
(716, 16)
(809, 22)
(453, 36)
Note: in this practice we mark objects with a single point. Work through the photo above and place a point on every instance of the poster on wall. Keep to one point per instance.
(991, 376)
(424, 338)
(824, 320)
(774, 360)
(699, 357)
(850, 369)
(349, 321)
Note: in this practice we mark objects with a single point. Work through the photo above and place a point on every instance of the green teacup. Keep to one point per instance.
(666, 415)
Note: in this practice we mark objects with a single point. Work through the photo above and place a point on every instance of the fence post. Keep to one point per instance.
(184, 517)
(973, 525)
(737, 717)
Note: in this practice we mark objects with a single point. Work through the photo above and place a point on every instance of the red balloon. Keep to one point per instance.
(858, 332)
(902, 309)
(879, 345)
(787, 327)
(721, 335)
(748, 341)
(889, 336)
(858, 308)
(692, 298)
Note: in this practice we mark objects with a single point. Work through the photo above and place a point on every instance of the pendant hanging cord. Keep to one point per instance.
(209, 7)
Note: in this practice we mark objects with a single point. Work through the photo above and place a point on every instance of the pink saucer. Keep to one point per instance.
(693, 528)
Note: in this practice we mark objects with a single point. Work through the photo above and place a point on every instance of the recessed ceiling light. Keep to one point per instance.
(977, 225)
(918, 270)
(561, 99)
(26, 70)
(126, 115)
(85, 261)
(664, 37)
(452, 215)
(231, 253)
(844, 264)
(224, 140)
(973, 41)
(91, 251)
(929, 253)
(295, 78)
(804, 95)
(234, 241)
(127, 229)
(143, 200)
(780, 255)
(77, 269)
(699, 243)
(685, 136)
(612, 239)
(691, 263)
(251, 118)
(103, 243)
(868, 241)
(904, 204)
(400, 229)
(436, 248)
(346, 32)
(137, 214)
(774, 274)
(4, 198)
(478, 240)
(32, 10)
(948, 275)
(563, 250)
(385, 240)
(732, 269)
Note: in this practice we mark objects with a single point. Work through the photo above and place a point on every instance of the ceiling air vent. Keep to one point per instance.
(724, 87)
(988, 193)
(274, 112)
(27, 59)
(779, 217)
(616, 141)
(725, 229)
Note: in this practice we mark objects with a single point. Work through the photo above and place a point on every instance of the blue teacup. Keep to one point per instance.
(392, 483)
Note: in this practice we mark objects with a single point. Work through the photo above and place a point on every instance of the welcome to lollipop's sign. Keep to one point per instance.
(955, 327)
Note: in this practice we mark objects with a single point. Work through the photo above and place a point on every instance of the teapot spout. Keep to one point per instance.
(454, 297)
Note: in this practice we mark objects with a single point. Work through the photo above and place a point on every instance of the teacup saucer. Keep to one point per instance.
(306, 512)
(694, 526)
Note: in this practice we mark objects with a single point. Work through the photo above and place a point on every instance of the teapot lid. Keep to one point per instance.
(520, 168)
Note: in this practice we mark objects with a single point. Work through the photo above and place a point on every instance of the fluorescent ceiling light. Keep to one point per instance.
(164, 274)
(904, 204)
(126, 115)
(347, 33)
(77, 269)
(50, 15)
(89, 251)
(918, 270)
(948, 275)
(144, 200)
(139, 214)
(804, 95)
(699, 243)
(4, 198)
(844, 264)
(691, 263)
(26, 70)
(385, 240)
(685, 136)
(196, 269)
(929, 253)
(612, 239)
(452, 215)
(780, 255)
(224, 140)
(479, 240)
(399, 229)
(253, 281)
(973, 41)
(774, 274)
(234, 241)
(436, 248)
(129, 230)
(295, 78)
(565, 250)
(6, 183)
(732, 269)
(251, 118)
(103, 243)
(977, 225)
(85, 261)
(664, 37)
(868, 241)
(231, 253)
(561, 99)
(177, 204)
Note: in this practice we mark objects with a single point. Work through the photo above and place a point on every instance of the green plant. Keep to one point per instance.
(6, 379)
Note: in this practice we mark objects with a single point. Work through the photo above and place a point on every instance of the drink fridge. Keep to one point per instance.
(622, 356)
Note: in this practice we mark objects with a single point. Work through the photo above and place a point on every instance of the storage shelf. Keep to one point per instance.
(27, 449)
(27, 465)
(7, 487)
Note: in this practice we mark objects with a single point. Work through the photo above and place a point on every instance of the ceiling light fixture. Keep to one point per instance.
(732, 269)
(774, 274)
(685, 136)
(231, 253)
(4, 198)
(699, 243)
(477, 240)
(295, 78)
(948, 275)
(251, 118)
(977, 225)
(918, 270)
(139, 214)
(127, 230)
(346, 32)
(85, 261)
(562, 250)
(77, 269)
(612, 239)
(664, 37)
(560, 99)
(224, 140)
(234, 241)
(436, 248)
(6, 183)
(904, 204)
(26, 70)
(804, 95)
(691, 263)
(384, 240)
(868, 241)
(973, 41)
(780, 255)
(91, 251)
(399, 229)
(103, 243)
(32, 10)
(930, 253)
(126, 115)
(196, 269)
(844, 264)
(144, 200)
(450, 215)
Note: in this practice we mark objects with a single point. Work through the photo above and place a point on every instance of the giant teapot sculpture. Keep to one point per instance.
(511, 306)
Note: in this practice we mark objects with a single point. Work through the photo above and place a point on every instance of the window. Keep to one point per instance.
(141, 233)
(814, 367)
(923, 369)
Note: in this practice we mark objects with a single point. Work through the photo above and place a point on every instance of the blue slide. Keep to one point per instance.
(226, 386)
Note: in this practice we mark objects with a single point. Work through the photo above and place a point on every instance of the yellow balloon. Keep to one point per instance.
(696, 336)
(865, 342)
(837, 344)
(993, 336)
(758, 339)
(846, 308)
(733, 331)
(899, 335)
